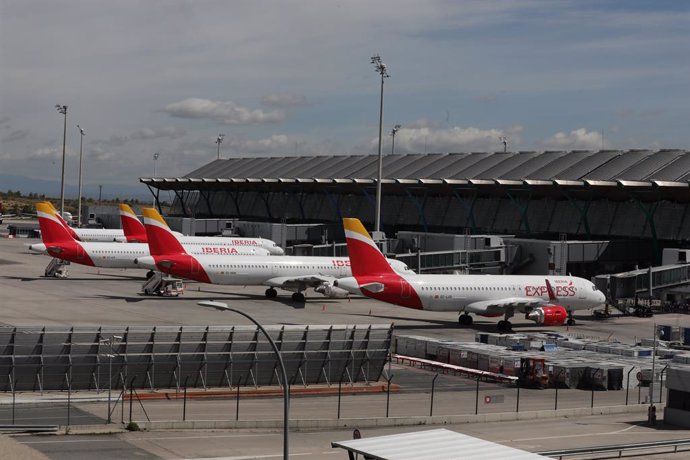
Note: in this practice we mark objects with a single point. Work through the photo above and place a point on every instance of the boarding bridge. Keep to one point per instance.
(487, 260)
(636, 283)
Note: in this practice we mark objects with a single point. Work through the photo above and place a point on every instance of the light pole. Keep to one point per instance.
(110, 355)
(81, 144)
(219, 140)
(504, 141)
(286, 386)
(394, 131)
(63, 110)
(381, 70)
(155, 160)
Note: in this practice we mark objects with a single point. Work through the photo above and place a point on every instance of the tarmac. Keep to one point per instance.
(93, 297)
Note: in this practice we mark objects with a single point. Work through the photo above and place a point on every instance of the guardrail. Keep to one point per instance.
(620, 448)
(28, 428)
(452, 368)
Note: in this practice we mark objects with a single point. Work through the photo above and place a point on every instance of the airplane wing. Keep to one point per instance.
(299, 282)
(498, 306)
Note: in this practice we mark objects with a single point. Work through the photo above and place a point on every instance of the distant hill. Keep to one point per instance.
(52, 188)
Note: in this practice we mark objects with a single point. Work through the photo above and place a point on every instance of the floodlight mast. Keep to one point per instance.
(394, 131)
(81, 144)
(63, 110)
(381, 69)
(219, 140)
(155, 160)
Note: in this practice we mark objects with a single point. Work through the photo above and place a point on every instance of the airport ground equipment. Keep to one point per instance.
(160, 357)
(533, 373)
(57, 268)
(161, 285)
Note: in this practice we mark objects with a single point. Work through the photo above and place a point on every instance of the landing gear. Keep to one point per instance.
(571, 320)
(504, 326)
(271, 293)
(298, 297)
(149, 274)
(465, 320)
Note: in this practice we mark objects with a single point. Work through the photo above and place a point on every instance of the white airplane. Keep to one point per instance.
(290, 273)
(547, 300)
(135, 231)
(60, 244)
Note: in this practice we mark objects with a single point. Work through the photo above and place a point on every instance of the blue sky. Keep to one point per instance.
(294, 77)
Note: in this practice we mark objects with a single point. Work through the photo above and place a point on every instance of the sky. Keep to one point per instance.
(294, 78)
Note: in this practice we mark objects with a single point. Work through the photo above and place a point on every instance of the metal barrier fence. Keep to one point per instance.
(84, 358)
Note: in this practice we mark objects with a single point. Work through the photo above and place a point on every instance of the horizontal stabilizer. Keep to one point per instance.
(372, 287)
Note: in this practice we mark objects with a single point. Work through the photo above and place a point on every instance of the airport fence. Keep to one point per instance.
(400, 392)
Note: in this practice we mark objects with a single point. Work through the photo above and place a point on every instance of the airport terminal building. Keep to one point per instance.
(597, 211)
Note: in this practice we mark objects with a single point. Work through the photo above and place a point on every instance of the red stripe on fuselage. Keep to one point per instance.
(72, 251)
(182, 266)
(397, 290)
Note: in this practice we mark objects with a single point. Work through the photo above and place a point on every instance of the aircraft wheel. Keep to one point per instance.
(465, 320)
(570, 322)
(271, 293)
(149, 274)
(504, 326)
(298, 297)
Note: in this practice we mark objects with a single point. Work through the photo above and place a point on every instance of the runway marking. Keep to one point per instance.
(608, 433)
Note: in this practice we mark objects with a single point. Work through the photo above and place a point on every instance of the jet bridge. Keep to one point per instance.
(643, 282)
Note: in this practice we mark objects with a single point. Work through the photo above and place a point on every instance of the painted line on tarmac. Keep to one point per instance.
(608, 433)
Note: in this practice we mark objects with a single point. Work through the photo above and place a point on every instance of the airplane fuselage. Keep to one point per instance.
(123, 255)
(461, 292)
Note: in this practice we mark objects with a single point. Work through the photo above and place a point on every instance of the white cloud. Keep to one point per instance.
(578, 139)
(284, 101)
(223, 112)
(455, 139)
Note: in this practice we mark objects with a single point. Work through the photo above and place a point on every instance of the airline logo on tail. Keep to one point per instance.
(59, 243)
(371, 270)
(52, 209)
(167, 251)
(134, 230)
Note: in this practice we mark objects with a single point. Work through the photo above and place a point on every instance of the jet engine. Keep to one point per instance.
(330, 291)
(551, 315)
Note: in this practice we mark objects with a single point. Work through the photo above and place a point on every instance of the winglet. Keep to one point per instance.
(161, 240)
(135, 232)
(552, 293)
(365, 256)
(52, 229)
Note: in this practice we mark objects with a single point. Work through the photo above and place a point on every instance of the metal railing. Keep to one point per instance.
(620, 448)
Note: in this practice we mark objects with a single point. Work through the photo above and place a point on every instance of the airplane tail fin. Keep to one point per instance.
(551, 291)
(365, 256)
(135, 232)
(161, 240)
(52, 228)
(64, 223)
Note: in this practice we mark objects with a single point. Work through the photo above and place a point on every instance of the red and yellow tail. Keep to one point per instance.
(161, 240)
(365, 256)
(52, 228)
(135, 232)
(69, 230)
